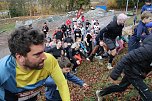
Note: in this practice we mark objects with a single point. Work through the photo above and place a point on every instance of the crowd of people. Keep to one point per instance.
(81, 40)
(38, 60)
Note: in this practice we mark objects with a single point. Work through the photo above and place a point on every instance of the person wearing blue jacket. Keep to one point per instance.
(52, 93)
(24, 71)
(140, 32)
(147, 6)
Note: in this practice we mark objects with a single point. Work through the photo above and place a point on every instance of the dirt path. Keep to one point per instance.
(3, 44)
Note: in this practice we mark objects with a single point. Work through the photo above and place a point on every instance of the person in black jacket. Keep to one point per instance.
(77, 33)
(88, 43)
(109, 34)
(59, 35)
(64, 29)
(45, 29)
(57, 51)
(68, 41)
(136, 65)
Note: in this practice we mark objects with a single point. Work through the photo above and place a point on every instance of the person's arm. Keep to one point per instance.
(47, 29)
(71, 77)
(54, 34)
(83, 47)
(139, 32)
(138, 55)
(42, 28)
(101, 34)
(102, 31)
(142, 9)
(58, 77)
(62, 52)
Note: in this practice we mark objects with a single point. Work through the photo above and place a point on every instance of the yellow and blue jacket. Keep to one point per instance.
(19, 84)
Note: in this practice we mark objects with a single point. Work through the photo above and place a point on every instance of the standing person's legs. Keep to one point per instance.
(112, 55)
(145, 93)
(90, 48)
(114, 88)
(45, 33)
(112, 46)
(92, 54)
(75, 65)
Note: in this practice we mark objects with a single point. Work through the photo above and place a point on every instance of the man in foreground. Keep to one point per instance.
(24, 72)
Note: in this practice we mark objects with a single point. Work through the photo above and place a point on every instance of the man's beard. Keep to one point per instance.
(33, 66)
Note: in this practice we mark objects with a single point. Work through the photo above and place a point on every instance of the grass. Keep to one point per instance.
(7, 27)
(131, 19)
(96, 76)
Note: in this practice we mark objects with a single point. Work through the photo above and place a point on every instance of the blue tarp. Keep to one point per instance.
(102, 7)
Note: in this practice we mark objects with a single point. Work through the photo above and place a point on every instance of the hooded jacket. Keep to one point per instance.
(17, 84)
(137, 63)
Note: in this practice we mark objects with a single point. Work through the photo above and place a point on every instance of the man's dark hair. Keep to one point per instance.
(22, 38)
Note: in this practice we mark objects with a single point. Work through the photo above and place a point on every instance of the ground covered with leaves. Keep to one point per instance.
(97, 76)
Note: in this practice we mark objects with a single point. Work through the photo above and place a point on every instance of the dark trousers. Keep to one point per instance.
(89, 48)
(138, 83)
